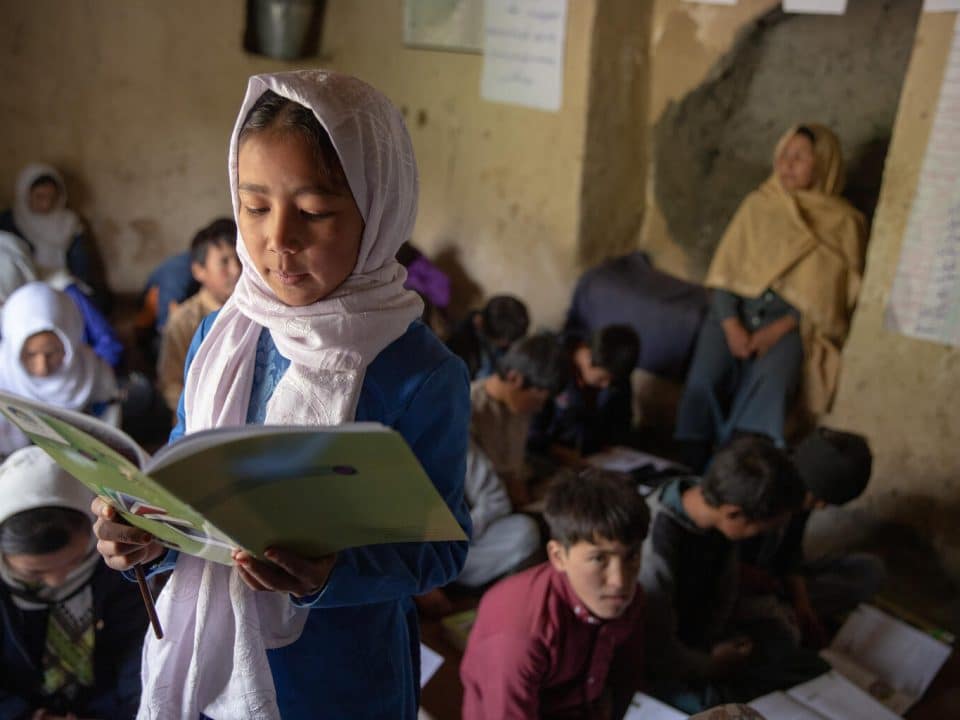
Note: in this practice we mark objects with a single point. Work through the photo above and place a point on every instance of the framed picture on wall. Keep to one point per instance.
(450, 25)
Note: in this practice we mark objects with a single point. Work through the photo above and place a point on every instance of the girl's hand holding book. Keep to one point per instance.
(121, 545)
(286, 572)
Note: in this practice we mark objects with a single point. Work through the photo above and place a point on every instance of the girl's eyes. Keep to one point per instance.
(254, 211)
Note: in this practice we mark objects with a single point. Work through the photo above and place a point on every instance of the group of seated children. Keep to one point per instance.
(699, 595)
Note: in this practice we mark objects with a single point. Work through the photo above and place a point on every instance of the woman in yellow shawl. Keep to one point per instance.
(785, 277)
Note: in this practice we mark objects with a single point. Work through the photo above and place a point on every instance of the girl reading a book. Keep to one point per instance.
(319, 331)
(43, 358)
(71, 629)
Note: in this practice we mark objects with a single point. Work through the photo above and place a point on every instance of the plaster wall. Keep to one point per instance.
(135, 101)
(904, 393)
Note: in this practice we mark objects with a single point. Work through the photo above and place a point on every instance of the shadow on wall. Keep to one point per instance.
(465, 293)
(714, 146)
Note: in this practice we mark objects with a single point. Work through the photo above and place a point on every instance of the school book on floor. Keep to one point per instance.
(881, 668)
(311, 490)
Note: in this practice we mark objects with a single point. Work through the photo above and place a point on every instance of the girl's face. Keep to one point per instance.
(302, 234)
(42, 354)
(51, 569)
(43, 197)
(796, 166)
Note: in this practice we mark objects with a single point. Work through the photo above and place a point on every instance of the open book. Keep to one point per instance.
(881, 667)
(644, 707)
(887, 658)
(307, 489)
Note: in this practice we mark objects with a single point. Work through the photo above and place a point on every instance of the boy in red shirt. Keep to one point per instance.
(564, 639)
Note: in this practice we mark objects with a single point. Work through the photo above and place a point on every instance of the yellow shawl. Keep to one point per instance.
(808, 246)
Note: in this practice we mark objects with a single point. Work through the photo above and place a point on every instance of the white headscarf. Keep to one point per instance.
(16, 266)
(330, 343)
(50, 234)
(30, 479)
(83, 378)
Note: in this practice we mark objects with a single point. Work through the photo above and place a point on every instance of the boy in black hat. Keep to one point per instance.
(835, 468)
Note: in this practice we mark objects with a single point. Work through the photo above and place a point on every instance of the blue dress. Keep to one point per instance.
(359, 654)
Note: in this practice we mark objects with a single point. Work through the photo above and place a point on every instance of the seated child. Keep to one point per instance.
(707, 654)
(215, 266)
(835, 467)
(54, 232)
(503, 541)
(595, 408)
(503, 404)
(43, 357)
(565, 638)
(72, 629)
(98, 333)
(484, 335)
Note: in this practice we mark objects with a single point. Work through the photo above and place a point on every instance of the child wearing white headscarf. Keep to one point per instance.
(70, 628)
(283, 352)
(75, 377)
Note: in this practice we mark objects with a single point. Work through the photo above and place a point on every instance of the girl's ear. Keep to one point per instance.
(557, 554)
(515, 379)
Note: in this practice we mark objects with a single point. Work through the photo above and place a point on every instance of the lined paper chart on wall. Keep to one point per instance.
(925, 298)
(523, 52)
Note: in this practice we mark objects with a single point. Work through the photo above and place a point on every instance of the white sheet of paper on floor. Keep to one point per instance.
(836, 698)
(625, 459)
(815, 7)
(780, 706)
(888, 658)
(941, 5)
(713, 2)
(523, 50)
(430, 662)
(644, 707)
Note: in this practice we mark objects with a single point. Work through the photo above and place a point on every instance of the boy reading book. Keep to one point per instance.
(707, 653)
(564, 638)
(594, 409)
(835, 468)
(483, 336)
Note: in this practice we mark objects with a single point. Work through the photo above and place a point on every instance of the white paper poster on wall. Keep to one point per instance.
(925, 299)
(815, 7)
(523, 52)
(941, 5)
(713, 2)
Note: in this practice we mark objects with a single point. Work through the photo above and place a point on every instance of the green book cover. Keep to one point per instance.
(312, 490)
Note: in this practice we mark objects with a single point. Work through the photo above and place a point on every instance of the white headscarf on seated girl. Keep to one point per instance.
(50, 233)
(30, 479)
(330, 343)
(83, 378)
(16, 266)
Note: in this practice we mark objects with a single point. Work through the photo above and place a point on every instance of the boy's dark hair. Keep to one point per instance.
(41, 530)
(834, 465)
(596, 504)
(539, 359)
(807, 133)
(505, 319)
(222, 231)
(45, 180)
(616, 349)
(274, 112)
(755, 475)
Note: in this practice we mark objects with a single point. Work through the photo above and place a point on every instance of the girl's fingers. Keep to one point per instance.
(312, 573)
(251, 582)
(120, 533)
(270, 577)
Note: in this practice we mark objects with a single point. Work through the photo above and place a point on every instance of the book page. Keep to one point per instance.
(106, 472)
(780, 706)
(899, 656)
(836, 698)
(199, 441)
(644, 707)
(430, 662)
(624, 459)
(310, 490)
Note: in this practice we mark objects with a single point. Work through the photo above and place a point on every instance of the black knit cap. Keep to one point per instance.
(834, 465)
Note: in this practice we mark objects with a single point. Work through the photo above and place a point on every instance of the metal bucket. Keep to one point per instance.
(283, 29)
